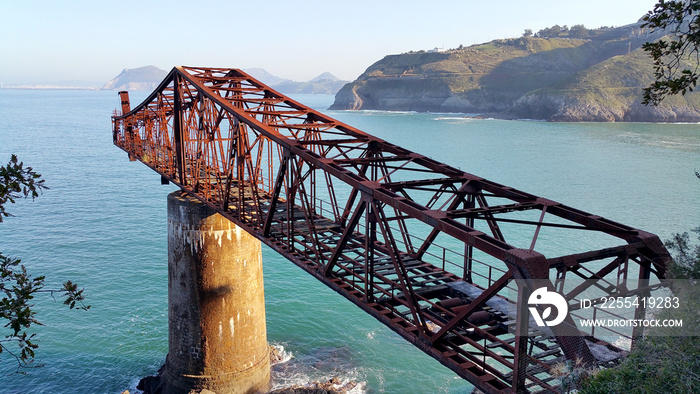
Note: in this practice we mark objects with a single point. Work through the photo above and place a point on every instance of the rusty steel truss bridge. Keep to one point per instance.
(446, 259)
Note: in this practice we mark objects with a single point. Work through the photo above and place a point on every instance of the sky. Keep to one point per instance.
(63, 42)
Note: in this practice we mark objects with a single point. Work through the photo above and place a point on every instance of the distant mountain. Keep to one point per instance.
(596, 77)
(148, 78)
(265, 77)
(142, 78)
(325, 83)
(325, 77)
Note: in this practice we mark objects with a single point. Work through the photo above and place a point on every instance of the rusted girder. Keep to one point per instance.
(425, 248)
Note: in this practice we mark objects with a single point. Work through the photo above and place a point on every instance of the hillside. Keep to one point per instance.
(597, 78)
(264, 76)
(610, 91)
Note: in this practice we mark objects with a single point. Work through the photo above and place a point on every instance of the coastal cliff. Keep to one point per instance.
(598, 78)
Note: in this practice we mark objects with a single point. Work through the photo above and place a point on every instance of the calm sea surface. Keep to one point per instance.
(103, 224)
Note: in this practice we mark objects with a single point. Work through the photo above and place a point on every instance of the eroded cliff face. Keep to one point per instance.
(570, 107)
(399, 94)
(348, 98)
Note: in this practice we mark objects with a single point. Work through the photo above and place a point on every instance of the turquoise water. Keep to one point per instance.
(103, 224)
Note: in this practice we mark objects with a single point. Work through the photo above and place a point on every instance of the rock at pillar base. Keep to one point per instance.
(216, 305)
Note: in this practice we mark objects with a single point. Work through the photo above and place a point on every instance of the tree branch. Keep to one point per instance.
(680, 19)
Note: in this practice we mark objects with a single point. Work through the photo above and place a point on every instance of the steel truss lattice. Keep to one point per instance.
(423, 247)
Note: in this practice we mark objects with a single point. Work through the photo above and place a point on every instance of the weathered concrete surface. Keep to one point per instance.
(216, 314)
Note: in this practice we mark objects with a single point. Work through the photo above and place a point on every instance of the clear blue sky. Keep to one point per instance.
(47, 41)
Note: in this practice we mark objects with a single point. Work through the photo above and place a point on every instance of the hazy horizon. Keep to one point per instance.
(87, 44)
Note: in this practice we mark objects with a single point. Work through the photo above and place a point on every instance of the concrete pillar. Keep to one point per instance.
(216, 313)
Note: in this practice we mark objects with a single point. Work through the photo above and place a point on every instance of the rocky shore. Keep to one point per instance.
(332, 386)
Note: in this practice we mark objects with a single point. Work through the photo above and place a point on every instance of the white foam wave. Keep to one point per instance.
(460, 118)
(385, 112)
(284, 354)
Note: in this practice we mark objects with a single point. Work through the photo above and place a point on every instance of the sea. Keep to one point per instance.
(102, 224)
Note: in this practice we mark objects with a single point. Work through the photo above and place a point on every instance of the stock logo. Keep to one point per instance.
(552, 300)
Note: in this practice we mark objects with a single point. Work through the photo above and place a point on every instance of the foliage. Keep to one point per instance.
(680, 19)
(658, 365)
(687, 258)
(17, 181)
(578, 31)
(571, 375)
(18, 287)
(552, 32)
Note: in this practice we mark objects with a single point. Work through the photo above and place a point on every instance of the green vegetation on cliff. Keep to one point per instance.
(596, 78)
